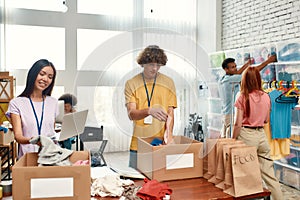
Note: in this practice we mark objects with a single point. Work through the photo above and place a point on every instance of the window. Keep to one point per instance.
(27, 44)
(106, 7)
(177, 10)
(49, 5)
(99, 42)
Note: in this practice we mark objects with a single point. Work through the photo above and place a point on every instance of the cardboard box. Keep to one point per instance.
(6, 138)
(181, 160)
(30, 181)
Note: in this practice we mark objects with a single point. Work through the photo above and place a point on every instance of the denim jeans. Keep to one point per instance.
(133, 159)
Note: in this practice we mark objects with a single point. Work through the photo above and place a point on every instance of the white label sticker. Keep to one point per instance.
(178, 161)
(51, 187)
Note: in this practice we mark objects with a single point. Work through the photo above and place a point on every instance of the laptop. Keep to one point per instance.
(72, 125)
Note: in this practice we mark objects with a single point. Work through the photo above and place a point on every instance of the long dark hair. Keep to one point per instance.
(251, 81)
(32, 75)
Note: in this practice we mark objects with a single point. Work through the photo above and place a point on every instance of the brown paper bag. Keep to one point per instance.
(246, 176)
(212, 159)
(209, 154)
(227, 181)
(205, 166)
(220, 171)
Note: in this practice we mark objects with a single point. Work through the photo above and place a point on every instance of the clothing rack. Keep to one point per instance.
(233, 84)
(283, 83)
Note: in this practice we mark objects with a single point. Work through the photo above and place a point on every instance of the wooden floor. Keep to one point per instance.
(197, 188)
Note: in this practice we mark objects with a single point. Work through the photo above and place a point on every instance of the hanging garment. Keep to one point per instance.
(280, 116)
(279, 148)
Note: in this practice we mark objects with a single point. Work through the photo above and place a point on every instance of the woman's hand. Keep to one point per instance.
(35, 140)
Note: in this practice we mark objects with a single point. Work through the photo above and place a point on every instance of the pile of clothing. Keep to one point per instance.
(114, 186)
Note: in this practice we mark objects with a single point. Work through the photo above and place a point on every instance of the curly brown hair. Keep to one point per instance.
(152, 54)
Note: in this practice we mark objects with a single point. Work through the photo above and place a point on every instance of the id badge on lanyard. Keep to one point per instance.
(149, 118)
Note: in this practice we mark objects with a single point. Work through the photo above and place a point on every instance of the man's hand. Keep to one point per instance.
(272, 58)
(158, 113)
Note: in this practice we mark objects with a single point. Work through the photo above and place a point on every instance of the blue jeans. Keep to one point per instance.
(133, 159)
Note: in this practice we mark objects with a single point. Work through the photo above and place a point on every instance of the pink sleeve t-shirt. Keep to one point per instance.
(21, 106)
(259, 108)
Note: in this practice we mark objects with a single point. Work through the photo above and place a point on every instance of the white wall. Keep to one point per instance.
(249, 23)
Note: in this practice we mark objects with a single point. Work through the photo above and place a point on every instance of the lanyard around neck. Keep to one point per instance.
(39, 125)
(149, 97)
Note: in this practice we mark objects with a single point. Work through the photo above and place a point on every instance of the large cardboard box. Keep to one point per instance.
(181, 160)
(30, 181)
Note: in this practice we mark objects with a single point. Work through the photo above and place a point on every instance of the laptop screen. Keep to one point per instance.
(73, 124)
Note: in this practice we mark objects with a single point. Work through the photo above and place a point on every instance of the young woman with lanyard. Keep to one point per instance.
(33, 112)
(150, 100)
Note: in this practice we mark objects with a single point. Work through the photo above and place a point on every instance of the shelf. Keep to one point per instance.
(7, 160)
(286, 63)
(295, 148)
(287, 166)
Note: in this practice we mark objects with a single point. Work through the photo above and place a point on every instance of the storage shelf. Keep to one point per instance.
(287, 166)
(287, 63)
(295, 148)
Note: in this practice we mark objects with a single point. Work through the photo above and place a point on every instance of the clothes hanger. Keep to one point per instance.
(282, 98)
(281, 88)
(270, 87)
(293, 91)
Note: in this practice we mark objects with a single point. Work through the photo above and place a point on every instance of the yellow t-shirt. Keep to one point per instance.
(164, 96)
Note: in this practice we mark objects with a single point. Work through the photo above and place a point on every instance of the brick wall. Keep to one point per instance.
(255, 22)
